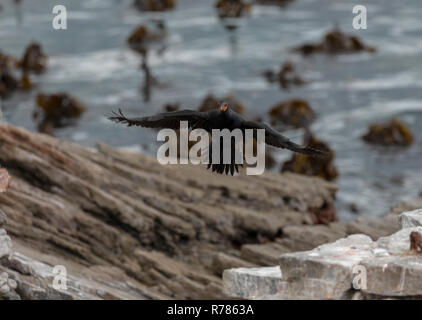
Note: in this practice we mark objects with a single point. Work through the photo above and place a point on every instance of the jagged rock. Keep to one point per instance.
(286, 77)
(296, 113)
(34, 59)
(322, 273)
(33, 280)
(399, 272)
(155, 5)
(222, 261)
(314, 166)
(252, 283)
(411, 219)
(387, 268)
(394, 133)
(58, 110)
(115, 218)
(335, 42)
(211, 103)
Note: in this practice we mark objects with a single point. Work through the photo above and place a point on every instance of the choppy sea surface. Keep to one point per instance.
(90, 60)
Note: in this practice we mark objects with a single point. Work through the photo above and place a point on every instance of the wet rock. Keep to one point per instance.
(335, 42)
(393, 133)
(58, 109)
(411, 219)
(210, 102)
(296, 113)
(286, 77)
(155, 5)
(232, 8)
(34, 59)
(313, 166)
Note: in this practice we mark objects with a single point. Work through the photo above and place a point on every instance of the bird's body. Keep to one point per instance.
(222, 118)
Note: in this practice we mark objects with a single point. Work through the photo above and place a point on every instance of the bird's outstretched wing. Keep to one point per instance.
(275, 139)
(169, 120)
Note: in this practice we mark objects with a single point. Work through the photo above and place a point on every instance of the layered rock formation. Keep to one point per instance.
(355, 267)
(126, 227)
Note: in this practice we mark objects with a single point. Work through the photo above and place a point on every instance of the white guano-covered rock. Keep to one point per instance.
(354, 267)
(325, 272)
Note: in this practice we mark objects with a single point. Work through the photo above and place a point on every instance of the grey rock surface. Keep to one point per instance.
(252, 282)
(5, 244)
(410, 219)
(399, 242)
(355, 267)
(327, 271)
(3, 219)
(393, 276)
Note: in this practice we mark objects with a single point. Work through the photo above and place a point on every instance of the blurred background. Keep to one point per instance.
(194, 54)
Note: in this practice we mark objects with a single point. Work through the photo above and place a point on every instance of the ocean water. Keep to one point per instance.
(90, 60)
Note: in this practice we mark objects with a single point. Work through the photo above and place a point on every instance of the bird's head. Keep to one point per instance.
(224, 106)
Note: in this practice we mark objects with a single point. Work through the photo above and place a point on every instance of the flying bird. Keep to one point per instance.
(220, 118)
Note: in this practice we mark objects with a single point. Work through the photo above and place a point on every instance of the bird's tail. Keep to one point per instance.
(221, 167)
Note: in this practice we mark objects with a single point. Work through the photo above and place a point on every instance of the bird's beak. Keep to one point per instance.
(223, 107)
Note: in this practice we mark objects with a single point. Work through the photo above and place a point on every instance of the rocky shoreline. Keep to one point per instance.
(126, 227)
(355, 267)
